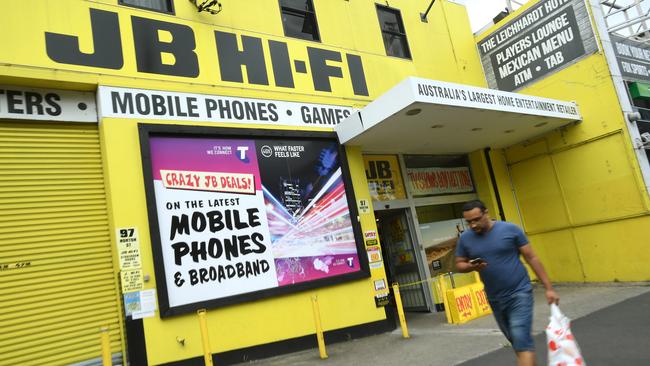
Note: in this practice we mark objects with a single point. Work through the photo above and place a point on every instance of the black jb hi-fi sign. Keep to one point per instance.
(542, 40)
(108, 35)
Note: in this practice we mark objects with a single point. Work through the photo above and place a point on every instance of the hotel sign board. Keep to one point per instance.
(543, 39)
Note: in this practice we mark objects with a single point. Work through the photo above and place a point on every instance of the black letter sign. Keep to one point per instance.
(320, 70)
(106, 41)
(148, 48)
(231, 58)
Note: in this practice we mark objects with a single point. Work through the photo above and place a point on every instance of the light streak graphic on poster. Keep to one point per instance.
(307, 208)
(237, 216)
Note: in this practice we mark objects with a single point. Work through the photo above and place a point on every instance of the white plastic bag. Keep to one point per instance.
(562, 347)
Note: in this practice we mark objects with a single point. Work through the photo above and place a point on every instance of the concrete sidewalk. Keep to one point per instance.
(616, 335)
(433, 342)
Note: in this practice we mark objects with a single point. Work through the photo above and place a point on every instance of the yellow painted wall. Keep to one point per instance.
(242, 325)
(579, 189)
(483, 183)
(23, 59)
(442, 48)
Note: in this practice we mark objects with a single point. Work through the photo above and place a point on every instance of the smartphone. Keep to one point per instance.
(476, 261)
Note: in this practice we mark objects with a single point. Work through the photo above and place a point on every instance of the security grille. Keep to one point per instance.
(57, 281)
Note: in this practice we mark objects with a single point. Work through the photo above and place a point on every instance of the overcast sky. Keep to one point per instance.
(481, 12)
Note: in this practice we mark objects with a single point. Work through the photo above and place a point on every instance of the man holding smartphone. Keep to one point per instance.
(493, 248)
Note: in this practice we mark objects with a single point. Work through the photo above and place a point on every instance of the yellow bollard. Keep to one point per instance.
(400, 311)
(445, 301)
(319, 329)
(207, 355)
(106, 347)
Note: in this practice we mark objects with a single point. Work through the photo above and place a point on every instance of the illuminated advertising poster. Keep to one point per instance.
(240, 216)
(307, 209)
(211, 218)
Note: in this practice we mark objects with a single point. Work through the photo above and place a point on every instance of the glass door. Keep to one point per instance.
(401, 257)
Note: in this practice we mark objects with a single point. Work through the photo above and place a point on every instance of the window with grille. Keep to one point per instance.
(392, 31)
(299, 19)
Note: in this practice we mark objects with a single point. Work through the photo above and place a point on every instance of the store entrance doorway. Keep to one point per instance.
(401, 257)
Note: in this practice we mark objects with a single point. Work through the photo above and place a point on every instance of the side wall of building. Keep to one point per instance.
(578, 191)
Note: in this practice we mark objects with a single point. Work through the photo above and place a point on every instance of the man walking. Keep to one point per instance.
(492, 248)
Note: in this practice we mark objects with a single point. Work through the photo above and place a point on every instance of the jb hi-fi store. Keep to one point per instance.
(424, 143)
(426, 150)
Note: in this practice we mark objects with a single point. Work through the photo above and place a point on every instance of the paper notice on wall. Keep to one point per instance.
(131, 302)
(128, 247)
(370, 234)
(131, 280)
(147, 304)
(374, 254)
(382, 299)
(364, 206)
(380, 284)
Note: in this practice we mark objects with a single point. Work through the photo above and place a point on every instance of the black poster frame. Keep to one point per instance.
(146, 131)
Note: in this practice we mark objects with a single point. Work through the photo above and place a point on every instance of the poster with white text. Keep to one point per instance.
(238, 216)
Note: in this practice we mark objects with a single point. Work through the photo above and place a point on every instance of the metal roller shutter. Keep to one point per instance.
(57, 281)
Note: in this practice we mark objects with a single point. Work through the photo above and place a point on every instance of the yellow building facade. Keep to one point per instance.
(88, 88)
(580, 192)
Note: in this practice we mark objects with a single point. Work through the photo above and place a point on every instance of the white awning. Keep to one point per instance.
(421, 116)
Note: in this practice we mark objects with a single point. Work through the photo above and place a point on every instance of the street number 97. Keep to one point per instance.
(126, 233)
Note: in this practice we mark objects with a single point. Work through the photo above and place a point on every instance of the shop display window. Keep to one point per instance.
(440, 226)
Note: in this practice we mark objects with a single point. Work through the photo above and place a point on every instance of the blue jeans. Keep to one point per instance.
(514, 314)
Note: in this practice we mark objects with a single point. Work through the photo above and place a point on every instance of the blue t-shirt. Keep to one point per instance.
(499, 247)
